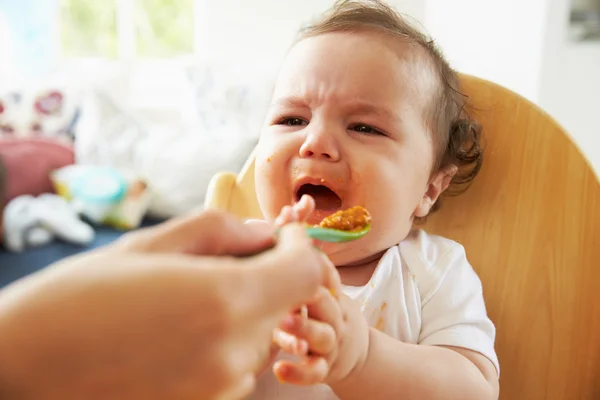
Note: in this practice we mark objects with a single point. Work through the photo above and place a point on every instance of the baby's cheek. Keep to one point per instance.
(270, 185)
(263, 168)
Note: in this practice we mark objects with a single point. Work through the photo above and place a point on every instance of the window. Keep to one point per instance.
(88, 28)
(127, 29)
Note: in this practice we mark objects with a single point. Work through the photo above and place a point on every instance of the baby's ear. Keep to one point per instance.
(437, 185)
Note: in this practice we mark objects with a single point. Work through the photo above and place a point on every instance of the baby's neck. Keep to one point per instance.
(359, 273)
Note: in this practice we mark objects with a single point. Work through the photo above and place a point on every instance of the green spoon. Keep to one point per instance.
(335, 235)
(329, 235)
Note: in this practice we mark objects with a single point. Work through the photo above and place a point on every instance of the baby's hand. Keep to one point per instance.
(336, 336)
(297, 212)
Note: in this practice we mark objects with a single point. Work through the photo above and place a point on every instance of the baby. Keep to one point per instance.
(367, 112)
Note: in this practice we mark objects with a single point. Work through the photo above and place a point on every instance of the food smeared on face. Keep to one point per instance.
(352, 219)
(296, 171)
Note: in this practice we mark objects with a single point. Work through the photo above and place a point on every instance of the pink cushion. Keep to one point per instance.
(28, 163)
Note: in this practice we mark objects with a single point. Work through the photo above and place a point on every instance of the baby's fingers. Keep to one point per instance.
(287, 215)
(320, 336)
(304, 207)
(309, 371)
(326, 308)
(298, 212)
(290, 343)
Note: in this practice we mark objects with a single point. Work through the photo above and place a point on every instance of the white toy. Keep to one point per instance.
(35, 221)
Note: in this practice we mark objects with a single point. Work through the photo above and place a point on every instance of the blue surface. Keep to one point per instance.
(14, 266)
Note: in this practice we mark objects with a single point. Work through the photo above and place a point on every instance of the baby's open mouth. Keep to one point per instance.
(325, 198)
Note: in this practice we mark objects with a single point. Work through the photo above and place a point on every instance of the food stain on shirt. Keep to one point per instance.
(380, 324)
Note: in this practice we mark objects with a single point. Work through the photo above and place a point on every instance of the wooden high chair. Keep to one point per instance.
(530, 224)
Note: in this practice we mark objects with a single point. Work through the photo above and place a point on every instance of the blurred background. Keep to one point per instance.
(169, 92)
(182, 85)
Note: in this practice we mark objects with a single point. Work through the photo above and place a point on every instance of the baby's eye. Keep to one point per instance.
(292, 122)
(366, 129)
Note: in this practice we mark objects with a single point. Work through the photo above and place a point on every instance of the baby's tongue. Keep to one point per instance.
(325, 199)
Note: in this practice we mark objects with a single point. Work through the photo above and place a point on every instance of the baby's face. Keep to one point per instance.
(347, 126)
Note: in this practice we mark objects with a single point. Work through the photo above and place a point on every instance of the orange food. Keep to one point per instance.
(352, 219)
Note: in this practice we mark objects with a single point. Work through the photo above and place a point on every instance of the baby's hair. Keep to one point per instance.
(456, 136)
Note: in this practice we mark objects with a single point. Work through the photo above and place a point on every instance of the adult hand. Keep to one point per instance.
(149, 318)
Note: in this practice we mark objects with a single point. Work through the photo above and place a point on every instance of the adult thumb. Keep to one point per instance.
(210, 232)
(289, 274)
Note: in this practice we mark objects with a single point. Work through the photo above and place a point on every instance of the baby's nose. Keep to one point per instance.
(320, 146)
(309, 153)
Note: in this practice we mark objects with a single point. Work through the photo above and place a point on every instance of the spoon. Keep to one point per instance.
(336, 235)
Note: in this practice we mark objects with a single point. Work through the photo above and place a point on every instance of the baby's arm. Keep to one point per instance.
(391, 369)
(394, 369)
(455, 357)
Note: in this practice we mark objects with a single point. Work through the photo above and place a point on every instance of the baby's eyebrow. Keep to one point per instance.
(290, 101)
(356, 107)
(365, 108)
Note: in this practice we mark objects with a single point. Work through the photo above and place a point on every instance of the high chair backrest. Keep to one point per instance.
(530, 224)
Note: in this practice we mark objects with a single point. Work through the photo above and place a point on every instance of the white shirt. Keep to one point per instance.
(423, 291)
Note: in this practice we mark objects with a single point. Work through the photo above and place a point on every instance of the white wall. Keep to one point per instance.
(491, 39)
(570, 82)
(249, 31)
(572, 96)
(238, 30)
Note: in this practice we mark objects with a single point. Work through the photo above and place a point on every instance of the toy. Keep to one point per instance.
(104, 195)
(34, 221)
(38, 112)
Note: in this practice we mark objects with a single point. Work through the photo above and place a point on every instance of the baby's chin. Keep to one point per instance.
(338, 253)
(328, 248)
(348, 254)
